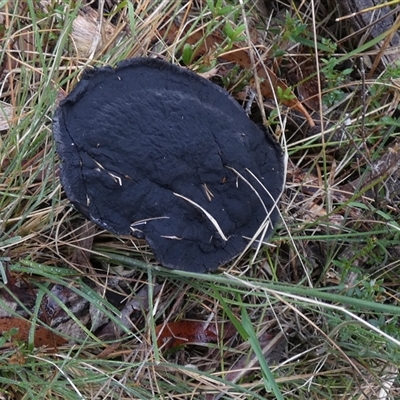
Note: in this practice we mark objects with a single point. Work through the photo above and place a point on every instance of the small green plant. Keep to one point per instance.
(234, 34)
(284, 94)
(335, 80)
(187, 54)
(218, 8)
(8, 336)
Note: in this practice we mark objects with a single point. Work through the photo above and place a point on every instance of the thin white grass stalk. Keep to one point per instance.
(262, 230)
(339, 103)
(75, 246)
(391, 372)
(296, 310)
(297, 251)
(144, 221)
(253, 62)
(349, 313)
(333, 128)
(57, 232)
(274, 206)
(61, 372)
(297, 356)
(327, 337)
(318, 303)
(251, 364)
(69, 244)
(279, 295)
(160, 10)
(93, 368)
(97, 35)
(15, 240)
(206, 213)
(33, 214)
(315, 37)
(100, 392)
(392, 226)
(250, 185)
(343, 164)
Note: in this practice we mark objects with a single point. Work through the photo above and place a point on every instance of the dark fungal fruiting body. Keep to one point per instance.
(156, 151)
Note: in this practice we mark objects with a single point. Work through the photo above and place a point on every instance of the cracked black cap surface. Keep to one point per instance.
(156, 151)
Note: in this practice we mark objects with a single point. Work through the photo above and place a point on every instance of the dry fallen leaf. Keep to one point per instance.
(6, 115)
(43, 336)
(88, 34)
(186, 331)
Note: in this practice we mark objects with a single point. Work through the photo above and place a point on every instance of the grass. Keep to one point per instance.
(316, 313)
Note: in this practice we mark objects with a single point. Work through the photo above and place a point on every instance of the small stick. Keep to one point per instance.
(207, 214)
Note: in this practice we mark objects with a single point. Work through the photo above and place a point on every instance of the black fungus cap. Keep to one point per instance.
(156, 151)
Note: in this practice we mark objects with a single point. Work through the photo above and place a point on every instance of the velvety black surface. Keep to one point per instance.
(135, 139)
